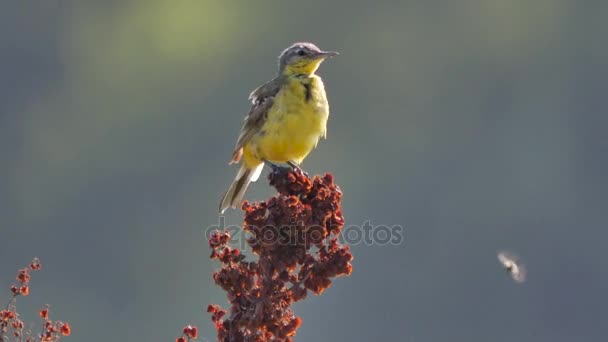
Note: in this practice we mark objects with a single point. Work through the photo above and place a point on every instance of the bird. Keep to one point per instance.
(513, 266)
(287, 118)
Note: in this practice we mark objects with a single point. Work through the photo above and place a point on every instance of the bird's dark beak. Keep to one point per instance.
(327, 54)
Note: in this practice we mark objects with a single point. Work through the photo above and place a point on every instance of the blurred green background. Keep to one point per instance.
(477, 125)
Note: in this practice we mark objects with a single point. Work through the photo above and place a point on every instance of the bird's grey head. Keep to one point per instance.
(304, 56)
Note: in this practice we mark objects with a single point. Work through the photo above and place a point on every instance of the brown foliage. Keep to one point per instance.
(12, 327)
(295, 236)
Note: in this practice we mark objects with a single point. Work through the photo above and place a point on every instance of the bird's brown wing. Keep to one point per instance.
(262, 98)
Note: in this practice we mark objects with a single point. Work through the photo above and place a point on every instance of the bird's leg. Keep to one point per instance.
(297, 168)
(293, 164)
(274, 167)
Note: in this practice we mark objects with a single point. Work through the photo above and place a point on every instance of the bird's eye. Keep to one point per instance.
(301, 52)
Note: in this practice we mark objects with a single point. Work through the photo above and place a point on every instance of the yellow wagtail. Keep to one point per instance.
(288, 116)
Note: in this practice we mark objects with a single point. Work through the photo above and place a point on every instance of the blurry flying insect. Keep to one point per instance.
(513, 265)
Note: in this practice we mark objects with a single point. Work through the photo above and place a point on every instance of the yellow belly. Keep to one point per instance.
(293, 126)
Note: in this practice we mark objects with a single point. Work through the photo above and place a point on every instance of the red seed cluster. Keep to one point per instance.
(295, 236)
(52, 330)
(12, 328)
(189, 333)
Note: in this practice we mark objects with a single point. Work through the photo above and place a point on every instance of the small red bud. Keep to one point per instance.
(44, 313)
(65, 329)
(190, 331)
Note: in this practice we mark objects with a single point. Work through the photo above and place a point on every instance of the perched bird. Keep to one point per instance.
(288, 116)
(513, 266)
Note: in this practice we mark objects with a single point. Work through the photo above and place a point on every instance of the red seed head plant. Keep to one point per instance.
(12, 327)
(295, 237)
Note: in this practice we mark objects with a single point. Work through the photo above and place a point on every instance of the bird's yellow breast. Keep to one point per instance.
(295, 122)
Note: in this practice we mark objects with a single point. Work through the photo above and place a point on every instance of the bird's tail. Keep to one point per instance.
(236, 191)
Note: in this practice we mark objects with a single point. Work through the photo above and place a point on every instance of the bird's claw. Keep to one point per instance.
(296, 168)
(293, 166)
